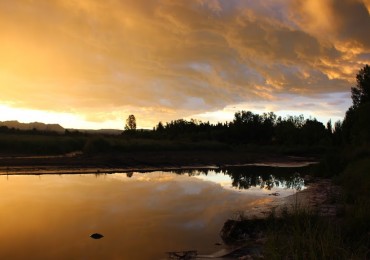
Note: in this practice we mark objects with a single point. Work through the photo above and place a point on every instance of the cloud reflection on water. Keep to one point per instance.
(52, 216)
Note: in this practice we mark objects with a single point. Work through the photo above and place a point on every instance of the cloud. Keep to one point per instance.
(186, 57)
(340, 24)
(344, 21)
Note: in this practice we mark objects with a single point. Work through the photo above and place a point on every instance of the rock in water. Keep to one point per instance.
(96, 236)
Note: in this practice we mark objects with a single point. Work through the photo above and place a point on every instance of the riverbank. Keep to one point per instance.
(252, 232)
(78, 163)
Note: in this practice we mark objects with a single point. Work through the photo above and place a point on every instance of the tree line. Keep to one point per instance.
(267, 128)
(246, 128)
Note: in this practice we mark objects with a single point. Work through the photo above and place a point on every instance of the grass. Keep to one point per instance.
(356, 180)
(39, 144)
(303, 234)
(53, 143)
(33, 144)
(297, 234)
(115, 144)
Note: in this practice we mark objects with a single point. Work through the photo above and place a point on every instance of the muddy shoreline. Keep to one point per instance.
(79, 163)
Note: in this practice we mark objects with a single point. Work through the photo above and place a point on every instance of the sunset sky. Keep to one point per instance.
(91, 63)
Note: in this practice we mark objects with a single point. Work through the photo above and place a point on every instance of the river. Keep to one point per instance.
(141, 215)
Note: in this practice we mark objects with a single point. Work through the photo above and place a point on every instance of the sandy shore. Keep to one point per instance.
(320, 195)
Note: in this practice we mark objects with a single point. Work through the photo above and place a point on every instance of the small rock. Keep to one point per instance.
(96, 236)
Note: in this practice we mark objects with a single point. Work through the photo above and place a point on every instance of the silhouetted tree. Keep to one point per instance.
(248, 127)
(159, 127)
(313, 132)
(329, 127)
(356, 125)
(338, 133)
(287, 130)
(130, 123)
(361, 93)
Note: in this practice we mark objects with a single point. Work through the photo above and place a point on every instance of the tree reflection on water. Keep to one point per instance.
(264, 177)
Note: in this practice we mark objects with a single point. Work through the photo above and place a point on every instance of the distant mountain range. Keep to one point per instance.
(34, 125)
(55, 128)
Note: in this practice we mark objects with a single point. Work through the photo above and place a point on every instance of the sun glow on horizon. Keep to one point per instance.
(66, 120)
(75, 121)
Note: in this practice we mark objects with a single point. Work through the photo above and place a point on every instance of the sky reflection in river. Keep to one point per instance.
(141, 217)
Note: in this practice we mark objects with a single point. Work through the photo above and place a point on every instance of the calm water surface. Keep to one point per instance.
(141, 215)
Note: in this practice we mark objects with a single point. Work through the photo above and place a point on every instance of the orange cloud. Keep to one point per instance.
(186, 57)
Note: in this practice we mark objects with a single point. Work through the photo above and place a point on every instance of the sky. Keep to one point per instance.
(91, 63)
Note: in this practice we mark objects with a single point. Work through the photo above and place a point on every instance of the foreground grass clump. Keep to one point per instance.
(303, 234)
(300, 233)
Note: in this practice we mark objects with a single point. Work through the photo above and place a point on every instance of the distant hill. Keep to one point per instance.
(34, 125)
(56, 128)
